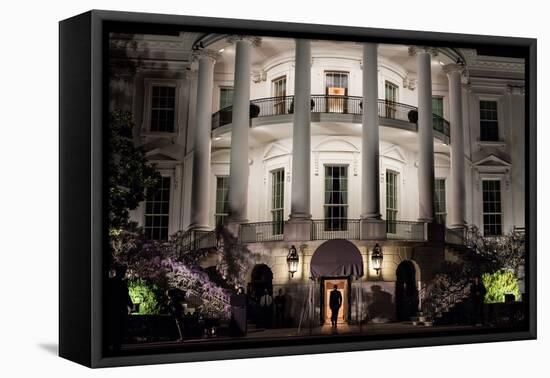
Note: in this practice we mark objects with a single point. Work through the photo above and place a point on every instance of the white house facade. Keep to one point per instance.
(297, 143)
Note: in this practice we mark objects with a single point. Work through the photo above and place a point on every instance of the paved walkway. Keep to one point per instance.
(369, 329)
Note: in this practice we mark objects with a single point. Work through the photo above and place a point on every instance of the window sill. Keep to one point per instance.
(495, 143)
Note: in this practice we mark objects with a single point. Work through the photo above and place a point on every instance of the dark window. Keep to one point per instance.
(440, 203)
(163, 108)
(157, 210)
(277, 200)
(222, 203)
(391, 201)
(488, 121)
(226, 97)
(437, 110)
(492, 208)
(336, 198)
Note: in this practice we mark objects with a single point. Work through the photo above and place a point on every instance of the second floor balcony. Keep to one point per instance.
(338, 108)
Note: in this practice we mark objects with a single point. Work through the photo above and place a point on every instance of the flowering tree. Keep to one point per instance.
(158, 263)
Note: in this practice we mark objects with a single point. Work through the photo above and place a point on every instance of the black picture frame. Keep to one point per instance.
(82, 228)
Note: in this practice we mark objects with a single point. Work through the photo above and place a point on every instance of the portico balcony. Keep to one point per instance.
(341, 108)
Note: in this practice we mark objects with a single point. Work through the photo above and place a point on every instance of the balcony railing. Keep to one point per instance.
(326, 229)
(261, 232)
(284, 105)
(405, 230)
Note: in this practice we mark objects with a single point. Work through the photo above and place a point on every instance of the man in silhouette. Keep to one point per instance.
(280, 304)
(266, 309)
(477, 296)
(335, 301)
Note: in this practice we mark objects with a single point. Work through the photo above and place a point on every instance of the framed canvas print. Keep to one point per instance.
(234, 188)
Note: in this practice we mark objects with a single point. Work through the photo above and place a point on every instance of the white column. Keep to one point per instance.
(301, 143)
(458, 179)
(517, 137)
(200, 206)
(425, 134)
(238, 169)
(370, 168)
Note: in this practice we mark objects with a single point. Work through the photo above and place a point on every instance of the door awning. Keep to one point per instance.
(336, 258)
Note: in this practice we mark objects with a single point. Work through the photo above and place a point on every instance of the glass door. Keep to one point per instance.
(336, 90)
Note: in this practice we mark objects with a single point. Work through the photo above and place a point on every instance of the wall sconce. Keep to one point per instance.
(377, 258)
(292, 260)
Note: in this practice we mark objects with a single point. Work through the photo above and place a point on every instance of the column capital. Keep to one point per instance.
(206, 53)
(253, 40)
(515, 89)
(453, 67)
(415, 50)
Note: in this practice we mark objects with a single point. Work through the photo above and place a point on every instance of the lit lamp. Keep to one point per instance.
(292, 260)
(377, 258)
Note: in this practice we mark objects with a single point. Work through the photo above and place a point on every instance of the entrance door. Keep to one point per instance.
(343, 288)
(406, 291)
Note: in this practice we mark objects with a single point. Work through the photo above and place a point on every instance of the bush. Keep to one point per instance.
(146, 294)
(499, 284)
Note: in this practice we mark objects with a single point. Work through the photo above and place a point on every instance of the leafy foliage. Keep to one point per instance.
(498, 284)
(146, 294)
(130, 174)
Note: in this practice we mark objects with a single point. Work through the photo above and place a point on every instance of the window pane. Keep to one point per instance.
(492, 208)
(163, 104)
(157, 210)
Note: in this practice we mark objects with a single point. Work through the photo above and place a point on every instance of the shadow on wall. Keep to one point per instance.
(381, 308)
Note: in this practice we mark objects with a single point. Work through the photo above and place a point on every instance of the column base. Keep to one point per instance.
(199, 227)
(373, 229)
(298, 229)
(436, 233)
(233, 228)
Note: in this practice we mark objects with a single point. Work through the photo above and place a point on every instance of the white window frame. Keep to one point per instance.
(165, 174)
(502, 220)
(148, 101)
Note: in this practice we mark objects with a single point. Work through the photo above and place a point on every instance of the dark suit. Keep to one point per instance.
(335, 301)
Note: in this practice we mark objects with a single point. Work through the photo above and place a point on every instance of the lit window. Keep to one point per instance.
(440, 203)
(157, 210)
(336, 198)
(492, 208)
(163, 108)
(277, 200)
(391, 201)
(222, 203)
(488, 121)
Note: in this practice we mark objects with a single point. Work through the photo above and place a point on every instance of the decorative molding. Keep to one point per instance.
(409, 83)
(259, 76)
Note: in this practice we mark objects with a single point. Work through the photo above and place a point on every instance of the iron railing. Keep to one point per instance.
(261, 232)
(326, 229)
(284, 105)
(405, 230)
(195, 240)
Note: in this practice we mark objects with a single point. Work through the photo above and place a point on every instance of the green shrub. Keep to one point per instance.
(146, 294)
(498, 284)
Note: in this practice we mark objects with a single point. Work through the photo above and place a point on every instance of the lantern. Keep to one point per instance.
(292, 260)
(377, 258)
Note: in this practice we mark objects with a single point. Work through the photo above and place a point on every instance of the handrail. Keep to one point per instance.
(331, 104)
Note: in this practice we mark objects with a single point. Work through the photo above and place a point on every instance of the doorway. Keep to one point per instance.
(406, 291)
(343, 286)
